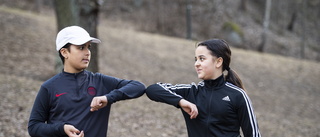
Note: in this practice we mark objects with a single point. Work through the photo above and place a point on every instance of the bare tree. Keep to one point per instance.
(89, 10)
(243, 5)
(39, 5)
(265, 26)
(290, 26)
(303, 37)
(83, 13)
(188, 19)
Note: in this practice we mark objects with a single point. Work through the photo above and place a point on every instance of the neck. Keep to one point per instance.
(71, 69)
(216, 75)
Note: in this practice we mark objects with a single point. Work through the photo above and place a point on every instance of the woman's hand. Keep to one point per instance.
(71, 131)
(189, 108)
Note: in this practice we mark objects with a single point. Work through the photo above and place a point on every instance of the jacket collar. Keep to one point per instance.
(215, 83)
(73, 74)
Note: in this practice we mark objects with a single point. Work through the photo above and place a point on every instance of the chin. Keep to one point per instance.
(84, 67)
(200, 77)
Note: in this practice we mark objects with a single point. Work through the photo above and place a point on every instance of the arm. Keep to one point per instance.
(172, 95)
(126, 89)
(247, 117)
(189, 108)
(123, 89)
(163, 93)
(37, 125)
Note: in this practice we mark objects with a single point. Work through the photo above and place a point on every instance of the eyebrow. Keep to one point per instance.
(201, 56)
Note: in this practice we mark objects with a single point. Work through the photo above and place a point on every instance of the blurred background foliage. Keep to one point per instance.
(293, 30)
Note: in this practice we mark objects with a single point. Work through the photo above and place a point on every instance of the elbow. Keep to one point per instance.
(137, 90)
(34, 128)
(141, 89)
(150, 91)
(31, 131)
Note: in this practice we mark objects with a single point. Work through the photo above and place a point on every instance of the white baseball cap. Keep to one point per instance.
(74, 35)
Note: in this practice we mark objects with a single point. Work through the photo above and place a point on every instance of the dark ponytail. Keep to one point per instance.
(233, 78)
(220, 48)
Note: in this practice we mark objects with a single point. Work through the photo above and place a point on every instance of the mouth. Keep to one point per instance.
(198, 70)
(85, 60)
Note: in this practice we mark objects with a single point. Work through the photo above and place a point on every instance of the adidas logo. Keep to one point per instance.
(226, 98)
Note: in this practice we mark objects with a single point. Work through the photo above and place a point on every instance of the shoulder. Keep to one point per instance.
(51, 80)
(100, 75)
(92, 74)
(237, 91)
(200, 84)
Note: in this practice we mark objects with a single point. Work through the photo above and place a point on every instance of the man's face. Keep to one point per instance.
(77, 58)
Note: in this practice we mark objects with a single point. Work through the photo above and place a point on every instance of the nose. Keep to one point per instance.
(196, 63)
(87, 52)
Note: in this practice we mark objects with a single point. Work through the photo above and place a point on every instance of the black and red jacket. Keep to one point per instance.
(66, 99)
(223, 107)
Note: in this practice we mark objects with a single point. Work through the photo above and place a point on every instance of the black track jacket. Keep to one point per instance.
(66, 99)
(223, 107)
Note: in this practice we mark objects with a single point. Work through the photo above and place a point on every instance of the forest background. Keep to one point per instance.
(151, 37)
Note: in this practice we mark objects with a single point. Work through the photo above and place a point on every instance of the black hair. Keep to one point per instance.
(67, 46)
(220, 48)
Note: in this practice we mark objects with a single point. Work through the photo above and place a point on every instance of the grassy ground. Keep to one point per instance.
(284, 91)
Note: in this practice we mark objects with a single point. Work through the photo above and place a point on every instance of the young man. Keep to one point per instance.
(77, 102)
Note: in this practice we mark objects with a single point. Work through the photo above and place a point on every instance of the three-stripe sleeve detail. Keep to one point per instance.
(170, 88)
(252, 117)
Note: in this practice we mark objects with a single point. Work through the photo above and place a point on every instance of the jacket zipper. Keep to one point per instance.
(209, 111)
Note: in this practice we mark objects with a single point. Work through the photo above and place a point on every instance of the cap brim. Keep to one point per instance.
(95, 40)
(81, 41)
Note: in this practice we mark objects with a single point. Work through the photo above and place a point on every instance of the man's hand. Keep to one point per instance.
(189, 107)
(98, 103)
(71, 131)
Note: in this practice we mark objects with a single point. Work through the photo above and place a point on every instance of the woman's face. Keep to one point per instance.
(206, 65)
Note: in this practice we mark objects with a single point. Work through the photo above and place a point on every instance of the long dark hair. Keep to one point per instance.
(220, 48)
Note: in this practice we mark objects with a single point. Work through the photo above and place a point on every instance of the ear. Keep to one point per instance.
(219, 62)
(64, 52)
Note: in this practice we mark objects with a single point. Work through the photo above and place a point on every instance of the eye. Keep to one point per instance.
(89, 46)
(200, 58)
(81, 47)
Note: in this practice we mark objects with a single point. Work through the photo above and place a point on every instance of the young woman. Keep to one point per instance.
(218, 106)
(77, 102)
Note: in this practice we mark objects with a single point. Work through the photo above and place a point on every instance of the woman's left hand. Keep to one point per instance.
(189, 108)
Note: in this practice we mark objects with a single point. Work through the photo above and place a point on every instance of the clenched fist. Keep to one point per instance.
(98, 103)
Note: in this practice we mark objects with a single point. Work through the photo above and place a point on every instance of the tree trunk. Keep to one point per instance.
(89, 10)
(303, 37)
(265, 26)
(66, 16)
(82, 13)
(243, 5)
(66, 13)
(292, 21)
(38, 5)
(188, 19)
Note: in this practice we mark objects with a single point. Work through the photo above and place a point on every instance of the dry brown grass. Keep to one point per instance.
(284, 91)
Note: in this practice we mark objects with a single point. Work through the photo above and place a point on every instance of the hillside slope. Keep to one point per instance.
(284, 91)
